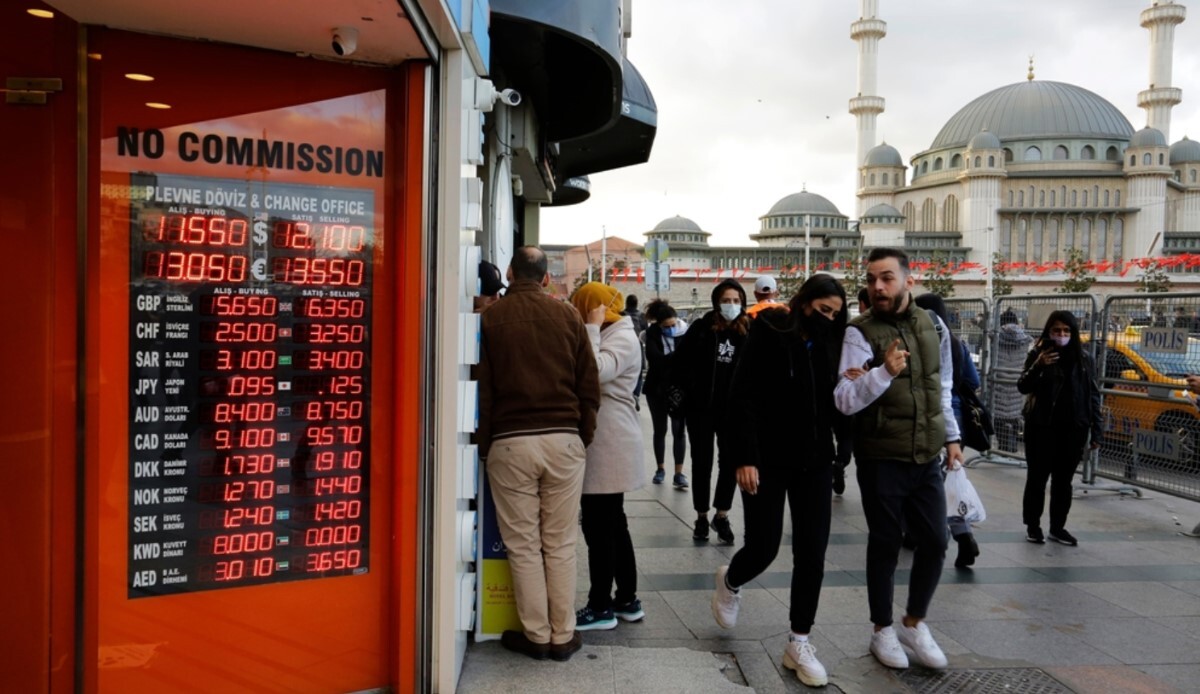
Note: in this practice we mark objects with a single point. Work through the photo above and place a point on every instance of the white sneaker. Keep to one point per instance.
(801, 656)
(925, 650)
(886, 649)
(725, 602)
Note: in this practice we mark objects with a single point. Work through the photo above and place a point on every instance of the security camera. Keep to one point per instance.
(345, 40)
(509, 97)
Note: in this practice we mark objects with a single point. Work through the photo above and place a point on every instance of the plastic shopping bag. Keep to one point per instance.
(961, 497)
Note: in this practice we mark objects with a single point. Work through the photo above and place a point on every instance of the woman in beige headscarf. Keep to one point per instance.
(614, 461)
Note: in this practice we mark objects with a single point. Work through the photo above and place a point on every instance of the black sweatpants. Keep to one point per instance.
(1051, 455)
(610, 550)
(808, 490)
(659, 415)
(900, 497)
(701, 429)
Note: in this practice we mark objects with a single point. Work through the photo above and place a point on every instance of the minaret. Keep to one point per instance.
(867, 31)
(1160, 18)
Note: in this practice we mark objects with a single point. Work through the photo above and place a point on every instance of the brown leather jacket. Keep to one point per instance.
(537, 372)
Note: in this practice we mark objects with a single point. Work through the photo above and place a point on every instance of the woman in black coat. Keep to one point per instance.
(660, 339)
(1062, 407)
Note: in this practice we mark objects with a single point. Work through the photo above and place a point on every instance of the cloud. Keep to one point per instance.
(753, 102)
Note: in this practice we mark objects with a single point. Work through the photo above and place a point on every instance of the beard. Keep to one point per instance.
(890, 306)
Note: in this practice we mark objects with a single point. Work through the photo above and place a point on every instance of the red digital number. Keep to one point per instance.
(181, 266)
(249, 464)
(198, 230)
(319, 360)
(321, 307)
(230, 570)
(249, 360)
(259, 515)
(327, 333)
(336, 510)
(250, 385)
(337, 559)
(258, 490)
(263, 437)
(327, 461)
(326, 486)
(330, 435)
(323, 410)
(337, 272)
(229, 305)
(243, 543)
(224, 412)
(333, 535)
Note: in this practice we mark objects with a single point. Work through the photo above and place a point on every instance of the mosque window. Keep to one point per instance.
(1096, 196)
(1053, 201)
(991, 160)
(1022, 240)
(885, 179)
(1085, 237)
(1064, 195)
(1032, 153)
(1111, 154)
(979, 160)
(1008, 155)
(1101, 238)
(956, 161)
(1052, 240)
(1074, 198)
(1088, 152)
(928, 215)
(1106, 194)
(1192, 175)
(1069, 234)
(1006, 239)
(1146, 159)
(1037, 240)
(1060, 152)
(1178, 175)
(910, 216)
(872, 179)
(1041, 198)
(950, 214)
(1021, 198)
(1010, 198)
(1118, 240)
(1161, 159)
(1085, 198)
(1117, 201)
(925, 166)
(1133, 159)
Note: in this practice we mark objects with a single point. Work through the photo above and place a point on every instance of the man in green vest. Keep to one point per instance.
(903, 422)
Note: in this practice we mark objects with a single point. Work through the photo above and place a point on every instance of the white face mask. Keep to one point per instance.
(1062, 341)
(731, 311)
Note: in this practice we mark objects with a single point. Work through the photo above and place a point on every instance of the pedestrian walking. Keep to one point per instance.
(661, 337)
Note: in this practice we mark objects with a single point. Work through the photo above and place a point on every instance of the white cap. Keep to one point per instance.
(764, 284)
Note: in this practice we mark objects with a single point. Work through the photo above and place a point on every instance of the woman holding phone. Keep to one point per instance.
(1062, 407)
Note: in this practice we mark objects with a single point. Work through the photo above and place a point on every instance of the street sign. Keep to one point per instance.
(657, 250)
(658, 277)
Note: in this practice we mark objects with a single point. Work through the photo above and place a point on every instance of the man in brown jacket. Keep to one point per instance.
(539, 391)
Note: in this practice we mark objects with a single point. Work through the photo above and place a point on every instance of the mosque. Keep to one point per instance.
(1027, 171)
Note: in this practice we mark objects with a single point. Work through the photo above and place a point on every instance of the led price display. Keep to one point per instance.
(249, 381)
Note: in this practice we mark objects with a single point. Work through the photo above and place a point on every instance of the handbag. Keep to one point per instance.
(977, 425)
(961, 497)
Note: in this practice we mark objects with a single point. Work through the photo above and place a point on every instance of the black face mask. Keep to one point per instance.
(817, 327)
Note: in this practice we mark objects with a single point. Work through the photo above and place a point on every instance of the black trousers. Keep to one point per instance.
(701, 429)
(808, 490)
(902, 497)
(610, 550)
(1051, 454)
(659, 415)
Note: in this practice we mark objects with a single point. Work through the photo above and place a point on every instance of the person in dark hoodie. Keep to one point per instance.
(1063, 408)
(782, 407)
(703, 369)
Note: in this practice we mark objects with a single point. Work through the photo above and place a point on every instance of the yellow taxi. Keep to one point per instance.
(1158, 399)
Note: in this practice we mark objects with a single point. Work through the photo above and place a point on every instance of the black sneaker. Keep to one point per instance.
(839, 482)
(968, 549)
(700, 533)
(1063, 537)
(1034, 535)
(723, 528)
(680, 481)
(629, 612)
(588, 619)
(659, 476)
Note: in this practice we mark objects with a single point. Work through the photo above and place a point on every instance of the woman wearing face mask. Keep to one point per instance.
(614, 462)
(703, 369)
(1062, 407)
(661, 337)
(782, 406)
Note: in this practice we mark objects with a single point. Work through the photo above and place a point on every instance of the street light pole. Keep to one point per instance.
(990, 264)
(807, 243)
(603, 253)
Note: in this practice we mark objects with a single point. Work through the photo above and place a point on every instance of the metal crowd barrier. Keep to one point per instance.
(1151, 342)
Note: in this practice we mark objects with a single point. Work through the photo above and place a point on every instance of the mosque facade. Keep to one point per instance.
(1023, 174)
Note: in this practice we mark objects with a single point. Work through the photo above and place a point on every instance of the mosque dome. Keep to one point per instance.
(882, 210)
(883, 155)
(1035, 109)
(1148, 137)
(804, 202)
(678, 223)
(1185, 151)
(986, 139)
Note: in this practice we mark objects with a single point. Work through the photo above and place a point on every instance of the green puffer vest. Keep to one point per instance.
(906, 422)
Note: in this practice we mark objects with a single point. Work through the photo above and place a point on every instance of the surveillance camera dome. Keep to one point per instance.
(345, 40)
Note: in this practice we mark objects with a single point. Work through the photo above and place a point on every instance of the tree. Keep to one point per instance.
(855, 277)
(583, 278)
(788, 282)
(1079, 278)
(939, 277)
(1001, 285)
(1155, 279)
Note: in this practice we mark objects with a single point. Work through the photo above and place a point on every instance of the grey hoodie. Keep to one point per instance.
(1010, 360)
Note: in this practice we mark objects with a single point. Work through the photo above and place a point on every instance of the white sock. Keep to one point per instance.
(802, 638)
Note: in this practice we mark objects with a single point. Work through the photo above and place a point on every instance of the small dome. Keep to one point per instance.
(1185, 151)
(882, 210)
(1148, 137)
(883, 155)
(678, 223)
(985, 140)
(803, 202)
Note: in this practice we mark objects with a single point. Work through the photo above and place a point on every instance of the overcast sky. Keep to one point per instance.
(752, 97)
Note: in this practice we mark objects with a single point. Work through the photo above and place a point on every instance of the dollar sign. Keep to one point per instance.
(260, 232)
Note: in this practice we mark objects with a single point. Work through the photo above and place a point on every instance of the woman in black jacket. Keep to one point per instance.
(1062, 406)
(661, 337)
(703, 370)
(782, 397)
